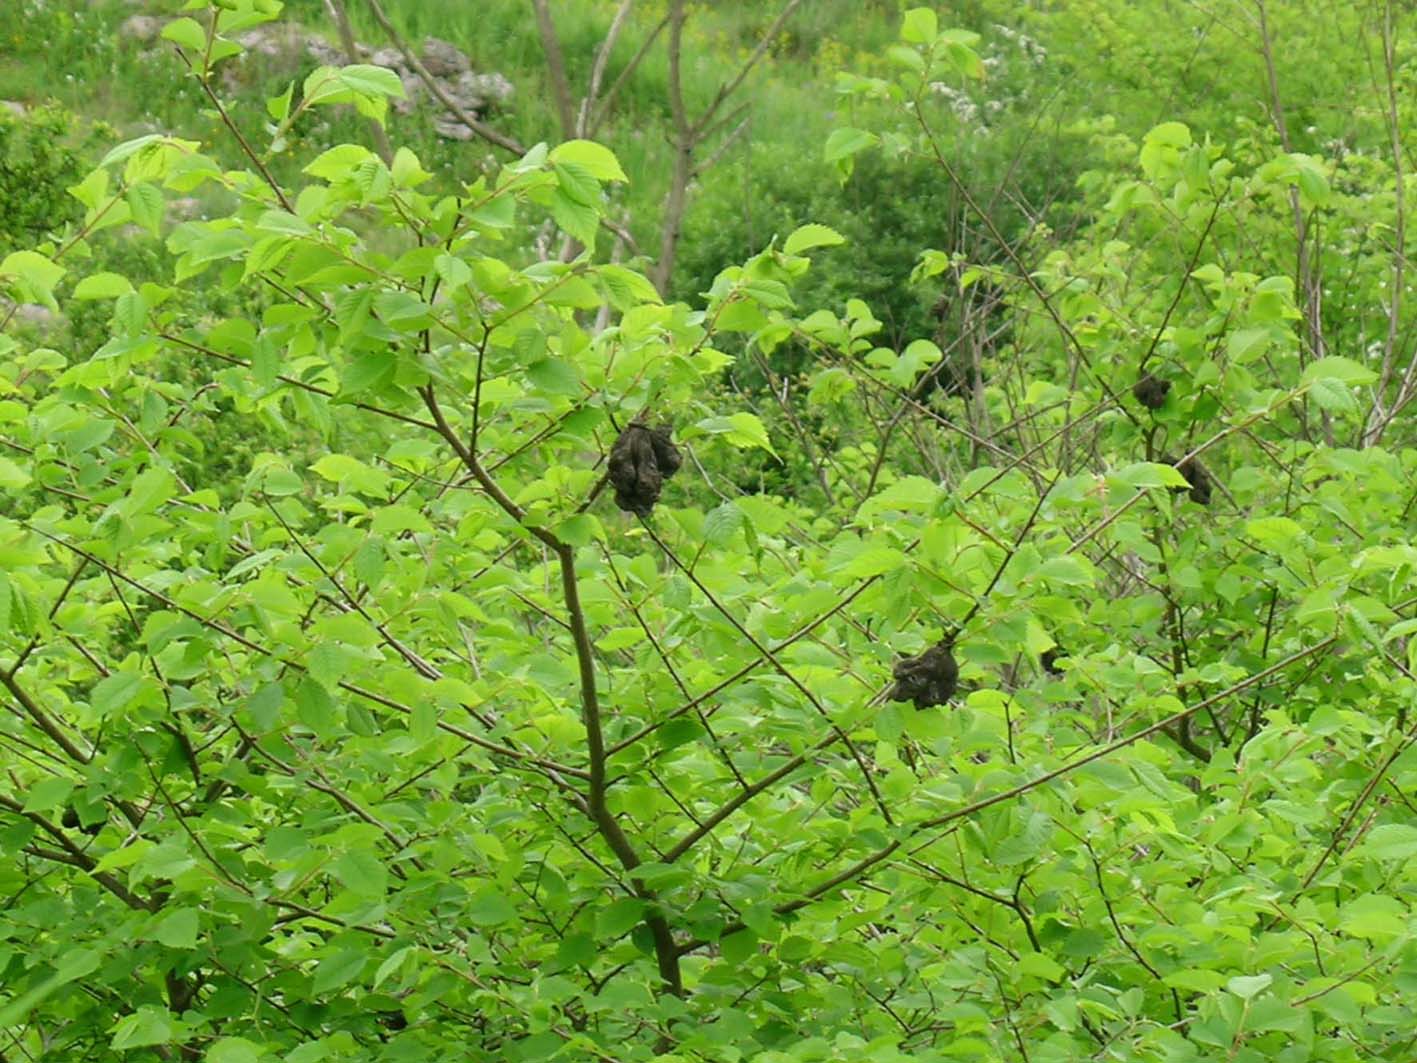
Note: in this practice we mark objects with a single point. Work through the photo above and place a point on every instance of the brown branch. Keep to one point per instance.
(1379, 419)
(203, 80)
(483, 130)
(666, 951)
(73, 856)
(688, 135)
(872, 859)
(340, 16)
(597, 71)
(603, 110)
(556, 68)
(550, 768)
(393, 415)
(779, 667)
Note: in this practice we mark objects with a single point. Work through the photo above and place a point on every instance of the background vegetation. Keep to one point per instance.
(1014, 664)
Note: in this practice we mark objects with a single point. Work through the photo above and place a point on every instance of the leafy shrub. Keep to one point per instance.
(41, 154)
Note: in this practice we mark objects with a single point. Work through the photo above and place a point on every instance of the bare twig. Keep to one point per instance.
(555, 67)
(340, 16)
(482, 129)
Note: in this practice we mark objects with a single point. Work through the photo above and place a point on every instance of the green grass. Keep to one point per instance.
(72, 54)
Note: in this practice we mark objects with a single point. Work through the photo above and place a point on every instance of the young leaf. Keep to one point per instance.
(598, 160)
(812, 235)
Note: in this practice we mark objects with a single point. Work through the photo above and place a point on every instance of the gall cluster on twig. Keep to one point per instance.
(1049, 659)
(1197, 477)
(927, 679)
(1151, 391)
(640, 461)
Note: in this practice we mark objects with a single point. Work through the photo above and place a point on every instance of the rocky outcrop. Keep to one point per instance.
(285, 50)
(142, 28)
(476, 93)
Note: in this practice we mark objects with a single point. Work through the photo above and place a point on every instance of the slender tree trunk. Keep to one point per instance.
(337, 12)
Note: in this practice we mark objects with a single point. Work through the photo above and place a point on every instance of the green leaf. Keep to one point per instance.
(596, 159)
(34, 275)
(627, 288)
(1245, 345)
(812, 235)
(1374, 916)
(1274, 533)
(964, 59)
(339, 969)
(75, 964)
(337, 162)
(149, 1025)
(575, 217)
(367, 87)
(1332, 395)
(619, 917)
(1067, 569)
(234, 1050)
(115, 693)
(679, 731)
(264, 705)
(362, 873)
(278, 107)
(490, 907)
(48, 794)
(178, 930)
(1390, 841)
(1149, 474)
(102, 286)
(146, 202)
(920, 26)
(742, 430)
(1339, 369)
(368, 372)
(187, 32)
(12, 477)
(392, 964)
(372, 80)
(722, 524)
(1247, 987)
(843, 143)
(909, 494)
(315, 708)
(859, 560)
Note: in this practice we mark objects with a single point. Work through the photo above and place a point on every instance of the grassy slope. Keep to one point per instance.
(70, 53)
(1103, 57)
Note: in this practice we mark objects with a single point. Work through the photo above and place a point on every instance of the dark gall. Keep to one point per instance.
(640, 461)
(71, 821)
(1197, 478)
(928, 679)
(1151, 391)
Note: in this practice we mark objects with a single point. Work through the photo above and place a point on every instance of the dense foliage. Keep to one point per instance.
(1026, 677)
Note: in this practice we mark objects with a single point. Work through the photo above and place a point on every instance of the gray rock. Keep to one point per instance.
(444, 60)
(476, 94)
(323, 52)
(389, 58)
(33, 315)
(412, 93)
(484, 90)
(141, 28)
(449, 128)
(283, 42)
(15, 107)
(185, 207)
